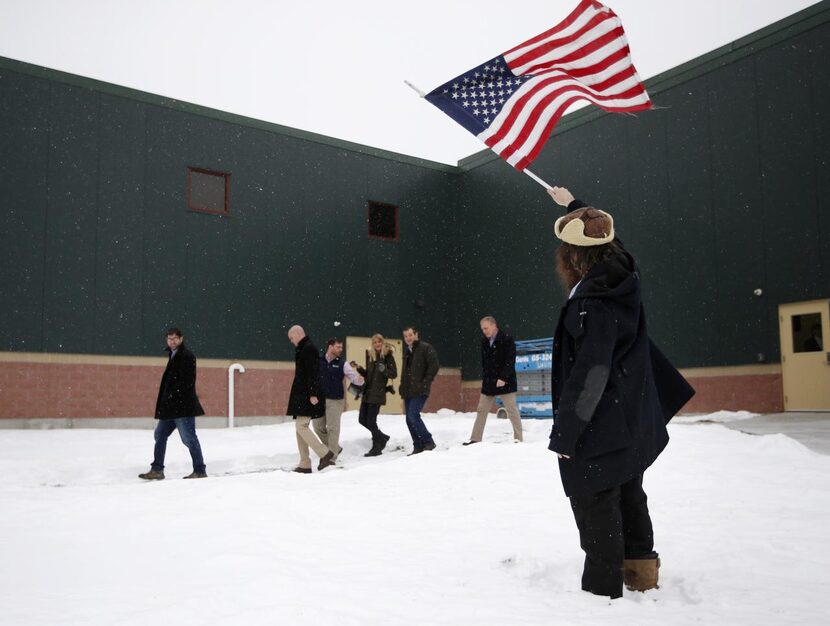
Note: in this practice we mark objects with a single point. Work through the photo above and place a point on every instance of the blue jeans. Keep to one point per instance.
(187, 431)
(417, 429)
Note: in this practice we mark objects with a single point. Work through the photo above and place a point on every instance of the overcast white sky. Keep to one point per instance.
(334, 67)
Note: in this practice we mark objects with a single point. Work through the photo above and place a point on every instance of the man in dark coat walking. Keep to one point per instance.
(307, 400)
(177, 407)
(498, 378)
(420, 367)
(613, 393)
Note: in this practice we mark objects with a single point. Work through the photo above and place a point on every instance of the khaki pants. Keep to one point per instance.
(485, 403)
(307, 439)
(328, 427)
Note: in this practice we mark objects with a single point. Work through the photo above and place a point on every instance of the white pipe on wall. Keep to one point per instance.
(236, 367)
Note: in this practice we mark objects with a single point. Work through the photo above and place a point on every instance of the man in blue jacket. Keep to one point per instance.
(333, 370)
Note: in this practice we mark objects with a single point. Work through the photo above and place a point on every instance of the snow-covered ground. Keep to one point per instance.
(462, 535)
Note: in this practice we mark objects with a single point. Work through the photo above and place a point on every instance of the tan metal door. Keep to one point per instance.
(356, 348)
(804, 328)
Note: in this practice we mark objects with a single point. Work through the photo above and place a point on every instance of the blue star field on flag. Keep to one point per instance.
(474, 98)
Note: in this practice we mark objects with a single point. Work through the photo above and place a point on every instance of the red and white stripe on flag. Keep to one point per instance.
(585, 57)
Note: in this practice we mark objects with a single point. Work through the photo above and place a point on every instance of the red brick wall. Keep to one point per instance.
(758, 393)
(445, 392)
(60, 390)
(79, 387)
(76, 390)
(470, 394)
(259, 392)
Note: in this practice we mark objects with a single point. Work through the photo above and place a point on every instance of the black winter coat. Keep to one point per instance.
(177, 392)
(378, 373)
(420, 367)
(613, 390)
(307, 382)
(498, 362)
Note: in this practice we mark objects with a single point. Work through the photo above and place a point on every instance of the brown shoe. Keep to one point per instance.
(152, 475)
(303, 470)
(429, 446)
(326, 461)
(641, 574)
(195, 475)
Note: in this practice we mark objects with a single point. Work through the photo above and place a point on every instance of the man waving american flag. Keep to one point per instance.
(513, 102)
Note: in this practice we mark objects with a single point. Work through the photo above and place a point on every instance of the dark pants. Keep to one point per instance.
(187, 431)
(417, 429)
(614, 525)
(368, 418)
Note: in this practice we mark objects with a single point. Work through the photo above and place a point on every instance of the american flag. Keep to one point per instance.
(513, 101)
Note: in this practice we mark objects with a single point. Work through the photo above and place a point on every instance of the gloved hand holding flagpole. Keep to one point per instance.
(513, 101)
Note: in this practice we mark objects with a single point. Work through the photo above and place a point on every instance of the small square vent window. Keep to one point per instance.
(383, 220)
(207, 191)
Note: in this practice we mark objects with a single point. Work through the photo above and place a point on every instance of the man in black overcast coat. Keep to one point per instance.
(307, 400)
(498, 378)
(177, 406)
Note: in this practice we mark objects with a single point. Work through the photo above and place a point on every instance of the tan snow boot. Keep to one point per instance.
(641, 574)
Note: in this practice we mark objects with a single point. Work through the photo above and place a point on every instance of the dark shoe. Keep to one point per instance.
(429, 446)
(377, 447)
(469, 443)
(416, 451)
(195, 475)
(326, 461)
(382, 443)
(152, 475)
(303, 470)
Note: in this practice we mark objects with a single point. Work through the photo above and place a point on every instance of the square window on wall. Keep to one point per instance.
(383, 220)
(208, 191)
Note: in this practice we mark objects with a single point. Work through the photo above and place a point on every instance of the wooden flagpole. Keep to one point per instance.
(421, 94)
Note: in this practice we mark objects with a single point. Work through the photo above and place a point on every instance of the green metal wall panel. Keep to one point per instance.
(648, 201)
(688, 226)
(820, 111)
(119, 238)
(744, 325)
(24, 149)
(165, 227)
(788, 177)
(506, 264)
(72, 220)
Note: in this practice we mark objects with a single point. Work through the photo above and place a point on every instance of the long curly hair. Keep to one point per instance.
(573, 262)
